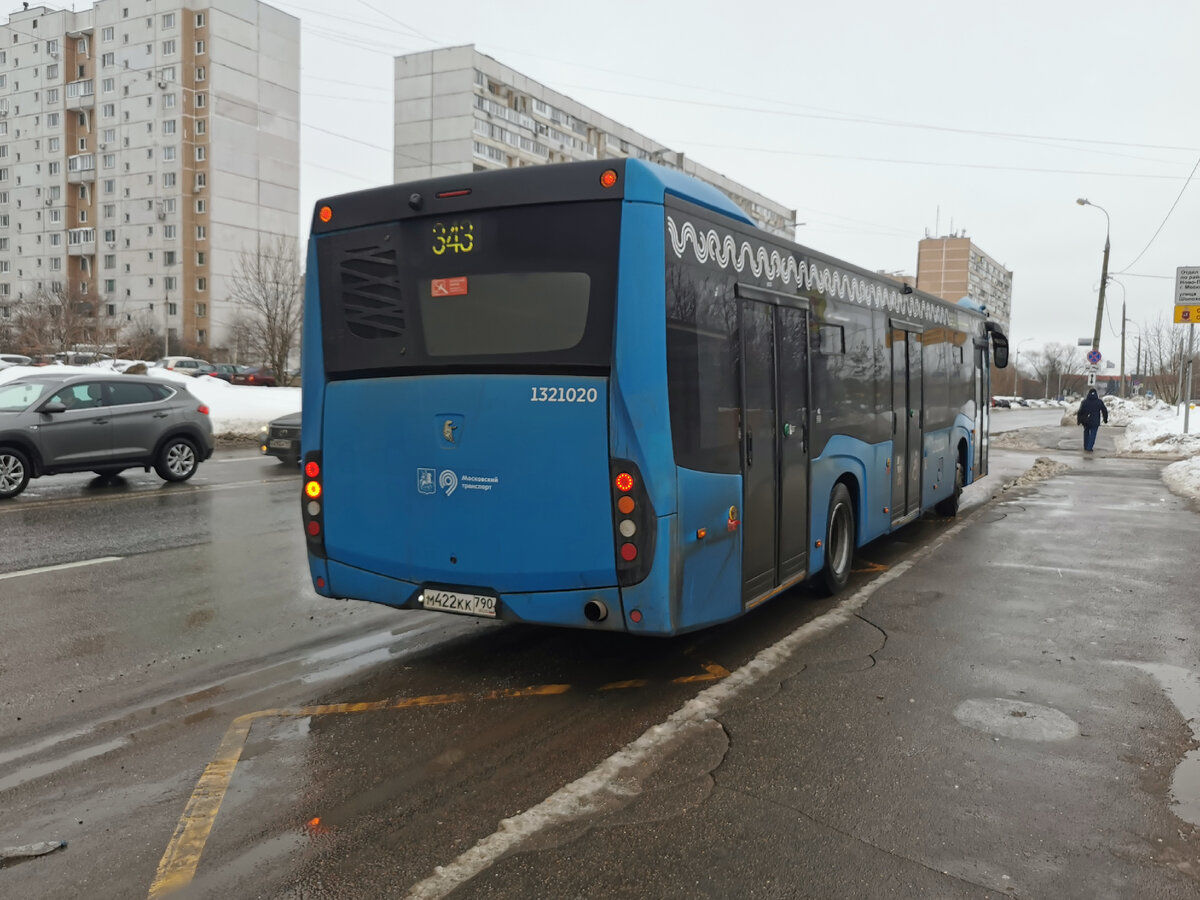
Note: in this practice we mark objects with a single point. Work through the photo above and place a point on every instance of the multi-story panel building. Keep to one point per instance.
(144, 146)
(458, 110)
(953, 268)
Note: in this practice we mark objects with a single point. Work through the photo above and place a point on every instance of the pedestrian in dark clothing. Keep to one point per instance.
(1090, 411)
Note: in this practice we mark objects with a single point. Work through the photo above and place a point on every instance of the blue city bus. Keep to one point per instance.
(596, 395)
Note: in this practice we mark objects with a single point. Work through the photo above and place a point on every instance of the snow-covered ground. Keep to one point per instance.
(234, 409)
(1151, 426)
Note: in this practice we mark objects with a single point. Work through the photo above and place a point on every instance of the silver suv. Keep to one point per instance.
(104, 423)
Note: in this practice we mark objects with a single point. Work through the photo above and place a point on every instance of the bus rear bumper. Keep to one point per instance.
(569, 609)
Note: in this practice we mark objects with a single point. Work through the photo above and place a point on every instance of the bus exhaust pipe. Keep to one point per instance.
(595, 611)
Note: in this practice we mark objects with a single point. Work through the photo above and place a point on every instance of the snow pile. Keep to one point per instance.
(1161, 431)
(235, 410)
(1183, 478)
(1043, 467)
(1122, 412)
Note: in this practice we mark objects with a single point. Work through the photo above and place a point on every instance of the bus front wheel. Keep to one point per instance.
(839, 540)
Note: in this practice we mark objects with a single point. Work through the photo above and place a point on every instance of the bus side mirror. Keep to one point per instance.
(1000, 350)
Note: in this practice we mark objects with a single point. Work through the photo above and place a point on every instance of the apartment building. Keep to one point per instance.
(144, 145)
(953, 267)
(458, 110)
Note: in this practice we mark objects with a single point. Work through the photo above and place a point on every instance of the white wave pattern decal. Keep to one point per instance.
(708, 245)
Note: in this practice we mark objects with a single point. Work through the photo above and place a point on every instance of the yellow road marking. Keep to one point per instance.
(178, 865)
(713, 672)
(621, 685)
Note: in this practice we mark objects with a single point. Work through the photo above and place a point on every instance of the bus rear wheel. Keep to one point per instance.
(949, 506)
(839, 540)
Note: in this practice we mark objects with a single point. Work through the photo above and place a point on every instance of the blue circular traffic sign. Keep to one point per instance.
(1093, 357)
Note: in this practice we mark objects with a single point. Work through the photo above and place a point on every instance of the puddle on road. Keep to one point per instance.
(37, 770)
(1182, 687)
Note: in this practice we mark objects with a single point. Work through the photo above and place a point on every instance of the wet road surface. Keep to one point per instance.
(992, 708)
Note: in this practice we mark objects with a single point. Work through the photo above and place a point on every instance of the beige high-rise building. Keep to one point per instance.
(458, 111)
(953, 268)
(143, 147)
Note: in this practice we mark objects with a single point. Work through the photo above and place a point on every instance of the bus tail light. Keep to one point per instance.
(634, 522)
(312, 504)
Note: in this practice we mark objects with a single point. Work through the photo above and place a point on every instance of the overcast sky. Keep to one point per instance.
(879, 122)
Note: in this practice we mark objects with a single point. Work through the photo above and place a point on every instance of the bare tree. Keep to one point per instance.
(60, 320)
(1164, 355)
(1057, 368)
(268, 293)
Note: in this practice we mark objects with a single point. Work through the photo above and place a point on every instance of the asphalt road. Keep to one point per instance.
(996, 706)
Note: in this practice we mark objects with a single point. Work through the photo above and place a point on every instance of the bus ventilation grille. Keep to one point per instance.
(371, 297)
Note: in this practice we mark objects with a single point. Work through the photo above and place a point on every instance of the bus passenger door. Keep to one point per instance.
(906, 424)
(760, 463)
(792, 334)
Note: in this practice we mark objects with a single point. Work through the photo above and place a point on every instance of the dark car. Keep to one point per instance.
(104, 423)
(260, 376)
(1000, 403)
(281, 438)
(225, 371)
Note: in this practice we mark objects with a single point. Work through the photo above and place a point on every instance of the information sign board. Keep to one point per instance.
(1187, 286)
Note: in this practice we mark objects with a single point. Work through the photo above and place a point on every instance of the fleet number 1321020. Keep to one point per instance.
(563, 395)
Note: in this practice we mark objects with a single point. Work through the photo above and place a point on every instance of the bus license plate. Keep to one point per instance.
(467, 604)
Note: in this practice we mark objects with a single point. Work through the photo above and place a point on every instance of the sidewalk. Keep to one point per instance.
(993, 722)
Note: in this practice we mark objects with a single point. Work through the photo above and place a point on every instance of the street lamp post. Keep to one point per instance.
(1017, 362)
(1082, 201)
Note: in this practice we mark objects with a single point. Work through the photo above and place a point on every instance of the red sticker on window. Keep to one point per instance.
(449, 287)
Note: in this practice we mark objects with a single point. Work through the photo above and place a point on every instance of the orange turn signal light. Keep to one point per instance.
(625, 505)
(325, 213)
(313, 489)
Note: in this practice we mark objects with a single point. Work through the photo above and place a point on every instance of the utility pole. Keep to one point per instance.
(1122, 348)
(1103, 271)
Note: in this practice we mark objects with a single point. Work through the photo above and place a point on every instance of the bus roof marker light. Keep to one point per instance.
(608, 178)
(325, 213)
(624, 482)
(444, 195)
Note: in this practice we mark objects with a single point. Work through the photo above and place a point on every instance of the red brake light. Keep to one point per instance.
(628, 552)
(202, 409)
(311, 469)
(624, 482)
(443, 195)
(314, 527)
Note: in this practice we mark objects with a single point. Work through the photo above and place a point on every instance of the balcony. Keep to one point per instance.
(81, 242)
(81, 168)
(81, 94)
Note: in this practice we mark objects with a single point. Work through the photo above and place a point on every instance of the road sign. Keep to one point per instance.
(1187, 286)
(1094, 357)
(1187, 315)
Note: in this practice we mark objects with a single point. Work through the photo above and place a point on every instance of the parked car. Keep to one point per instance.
(281, 438)
(101, 422)
(225, 371)
(14, 359)
(184, 365)
(1001, 403)
(261, 376)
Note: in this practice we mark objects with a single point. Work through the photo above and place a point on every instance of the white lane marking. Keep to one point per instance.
(614, 779)
(61, 566)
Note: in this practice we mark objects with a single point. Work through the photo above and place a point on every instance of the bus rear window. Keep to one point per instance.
(505, 313)
(502, 289)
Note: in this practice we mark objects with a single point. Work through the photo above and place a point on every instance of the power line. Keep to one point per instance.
(1158, 230)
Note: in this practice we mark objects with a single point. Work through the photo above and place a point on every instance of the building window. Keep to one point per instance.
(168, 154)
(202, 284)
(200, 73)
(110, 210)
(201, 180)
(169, 258)
(202, 126)
(201, 153)
(108, 85)
(168, 179)
(169, 283)
(168, 20)
(52, 72)
(199, 22)
(168, 101)
(168, 126)
(169, 232)
(108, 60)
(106, 35)
(110, 260)
(199, 257)
(169, 47)
(201, 233)
(199, 48)
(202, 206)
(201, 101)
(109, 110)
